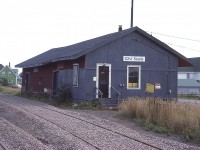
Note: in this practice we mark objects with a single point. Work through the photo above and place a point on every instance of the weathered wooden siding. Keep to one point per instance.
(42, 77)
(160, 66)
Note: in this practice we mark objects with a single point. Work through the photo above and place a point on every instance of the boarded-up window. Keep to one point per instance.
(133, 77)
(75, 75)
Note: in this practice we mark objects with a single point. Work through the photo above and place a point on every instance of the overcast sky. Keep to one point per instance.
(30, 27)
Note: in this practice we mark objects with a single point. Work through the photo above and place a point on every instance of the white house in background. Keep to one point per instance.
(189, 78)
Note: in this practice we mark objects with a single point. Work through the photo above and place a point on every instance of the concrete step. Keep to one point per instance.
(109, 103)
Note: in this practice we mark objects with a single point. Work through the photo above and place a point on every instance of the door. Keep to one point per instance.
(104, 80)
(27, 82)
(55, 82)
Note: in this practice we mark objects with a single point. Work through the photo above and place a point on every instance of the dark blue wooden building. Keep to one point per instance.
(118, 64)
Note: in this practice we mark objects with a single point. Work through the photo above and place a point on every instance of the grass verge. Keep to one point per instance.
(9, 90)
(85, 105)
(165, 116)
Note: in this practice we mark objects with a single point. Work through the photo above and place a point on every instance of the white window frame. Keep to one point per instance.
(139, 80)
(9, 74)
(75, 75)
(3, 74)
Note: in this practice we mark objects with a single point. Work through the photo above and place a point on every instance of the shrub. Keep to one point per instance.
(64, 94)
(5, 82)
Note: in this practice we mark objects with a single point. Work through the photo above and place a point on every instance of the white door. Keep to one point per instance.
(103, 80)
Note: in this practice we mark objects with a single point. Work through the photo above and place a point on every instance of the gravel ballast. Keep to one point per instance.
(64, 129)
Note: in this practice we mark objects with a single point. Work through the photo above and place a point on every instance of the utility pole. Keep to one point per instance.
(132, 13)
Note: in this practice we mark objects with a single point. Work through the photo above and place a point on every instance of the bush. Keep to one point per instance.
(4, 82)
(64, 94)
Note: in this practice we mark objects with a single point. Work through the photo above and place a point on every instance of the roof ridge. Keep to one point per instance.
(81, 48)
(98, 41)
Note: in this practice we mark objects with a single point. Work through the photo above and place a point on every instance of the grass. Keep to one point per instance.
(9, 90)
(85, 105)
(94, 105)
(152, 127)
(165, 116)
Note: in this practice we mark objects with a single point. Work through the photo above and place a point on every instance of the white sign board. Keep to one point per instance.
(134, 58)
(157, 86)
(94, 79)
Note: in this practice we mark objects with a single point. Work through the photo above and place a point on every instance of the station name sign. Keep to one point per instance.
(134, 58)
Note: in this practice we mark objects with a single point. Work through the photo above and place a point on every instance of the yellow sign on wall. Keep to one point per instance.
(150, 88)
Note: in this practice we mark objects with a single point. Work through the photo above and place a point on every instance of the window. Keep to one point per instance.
(133, 77)
(9, 74)
(10, 81)
(3, 73)
(182, 76)
(75, 75)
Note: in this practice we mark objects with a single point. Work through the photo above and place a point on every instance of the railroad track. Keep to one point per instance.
(85, 121)
(102, 127)
(2, 147)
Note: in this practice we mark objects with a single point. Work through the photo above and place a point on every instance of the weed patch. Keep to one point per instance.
(9, 90)
(87, 105)
(164, 116)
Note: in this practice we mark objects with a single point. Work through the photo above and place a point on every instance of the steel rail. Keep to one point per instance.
(2, 147)
(74, 117)
(145, 143)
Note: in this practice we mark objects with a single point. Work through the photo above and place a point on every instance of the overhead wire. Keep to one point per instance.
(194, 40)
(184, 47)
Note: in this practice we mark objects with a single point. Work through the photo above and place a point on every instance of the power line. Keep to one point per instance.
(184, 47)
(194, 40)
(178, 38)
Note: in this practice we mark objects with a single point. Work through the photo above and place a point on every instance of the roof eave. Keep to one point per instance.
(45, 62)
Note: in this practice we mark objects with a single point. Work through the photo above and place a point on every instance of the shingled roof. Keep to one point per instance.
(77, 50)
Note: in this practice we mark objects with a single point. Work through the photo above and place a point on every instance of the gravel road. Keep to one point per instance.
(27, 124)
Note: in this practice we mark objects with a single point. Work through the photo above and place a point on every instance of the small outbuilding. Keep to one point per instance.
(188, 87)
(189, 78)
(123, 64)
